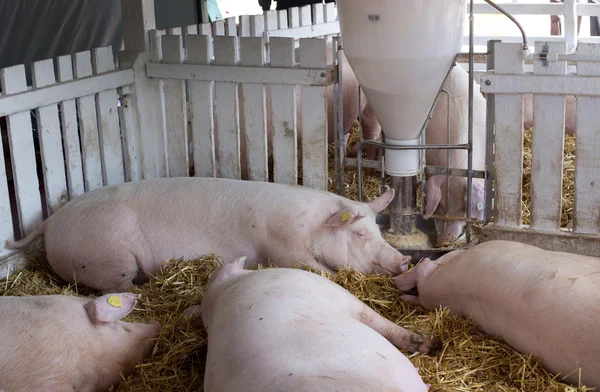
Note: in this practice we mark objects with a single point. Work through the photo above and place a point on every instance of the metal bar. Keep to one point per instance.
(470, 150)
(341, 145)
(454, 172)
(417, 146)
(490, 137)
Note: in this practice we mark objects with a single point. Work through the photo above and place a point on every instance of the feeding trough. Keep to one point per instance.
(401, 52)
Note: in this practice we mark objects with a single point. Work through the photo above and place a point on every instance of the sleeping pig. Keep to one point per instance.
(540, 302)
(283, 329)
(114, 236)
(68, 343)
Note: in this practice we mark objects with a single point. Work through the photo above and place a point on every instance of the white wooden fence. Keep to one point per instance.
(549, 85)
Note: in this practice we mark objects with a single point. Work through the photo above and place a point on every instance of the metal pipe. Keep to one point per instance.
(490, 117)
(564, 57)
(509, 16)
(470, 150)
(341, 145)
(403, 214)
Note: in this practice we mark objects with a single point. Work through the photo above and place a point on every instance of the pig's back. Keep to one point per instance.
(288, 330)
(538, 301)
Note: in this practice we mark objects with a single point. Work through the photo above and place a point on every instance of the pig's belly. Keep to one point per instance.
(546, 320)
(306, 353)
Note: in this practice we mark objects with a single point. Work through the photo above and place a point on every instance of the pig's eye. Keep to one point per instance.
(361, 233)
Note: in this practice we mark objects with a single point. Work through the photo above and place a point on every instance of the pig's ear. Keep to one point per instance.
(382, 201)
(343, 217)
(110, 307)
(477, 201)
(433, 191)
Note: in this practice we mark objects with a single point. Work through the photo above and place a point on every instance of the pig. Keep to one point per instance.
(68, 343)
(570, 113)
(540, 302)
(113, 237)
(282, 329)
(436, 187)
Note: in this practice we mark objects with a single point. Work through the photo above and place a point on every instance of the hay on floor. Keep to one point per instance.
(568, 183)
(469, 360)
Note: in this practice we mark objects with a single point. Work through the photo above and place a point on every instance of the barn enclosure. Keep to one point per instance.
(230, 100)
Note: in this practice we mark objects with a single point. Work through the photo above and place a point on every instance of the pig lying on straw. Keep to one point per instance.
(540, 302)
(115, 236)
(68, 343)
(285, 329)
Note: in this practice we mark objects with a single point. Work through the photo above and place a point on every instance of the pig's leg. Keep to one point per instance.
(397, 335)
(410, 299)
(408, 280)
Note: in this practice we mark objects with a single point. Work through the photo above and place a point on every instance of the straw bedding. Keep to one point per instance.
(469, 360)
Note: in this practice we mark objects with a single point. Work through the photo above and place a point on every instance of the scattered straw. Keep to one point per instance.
(568, 185)
(468, 361)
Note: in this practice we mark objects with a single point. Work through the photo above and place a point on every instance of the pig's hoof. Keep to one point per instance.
(425, 345)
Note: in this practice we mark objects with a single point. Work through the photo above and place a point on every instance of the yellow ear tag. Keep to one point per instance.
(346, 216)
(115, 301)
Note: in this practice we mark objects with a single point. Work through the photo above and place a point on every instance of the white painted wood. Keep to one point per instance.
(547, 148)
(330, 14)
(88, 126)
(313, 53)
(219, 27)
(109, 129)
(257, 25)
(271, 19)
(130, 135)
(278, 75)
(282, 19)
(50, 138)
(226, 96)
(6, 222)
(202, 103)
(254, 111)
(283, 116)
(230, 27)
(305, 15)
(175, 110)
(542, 84)
(587, 163)
(318, 13)
(139, 23)
(293, 17)
(205, 29)
(20, 142)
(191, 29)
(509, 141)
(245, 26)
(70, 133)
(160, 130)
(317, 30)
(174, 31)
(34, 98)
(570, 22)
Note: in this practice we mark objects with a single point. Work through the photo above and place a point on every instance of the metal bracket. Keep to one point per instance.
(544, 54)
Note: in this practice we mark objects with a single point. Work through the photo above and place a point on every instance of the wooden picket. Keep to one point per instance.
(549, 84)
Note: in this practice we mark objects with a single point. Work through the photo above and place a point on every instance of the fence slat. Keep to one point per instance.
(313, 53)
(245, 26)
(257, 25)
(219, 28)
(230, 27)
(254, 111)
(202, 102)
(318, 13)
(88, 126)
(71, 146)
(282, 19)
(22, 152)
(587, 163)
(283, 116)
(109, 130)
(509, 140)
(130, 135)
(330, 12)
(305, 15)
(547, 147)
(293, 17)
(175, 110)
(49, 134)
(6, 222)
(226, 96)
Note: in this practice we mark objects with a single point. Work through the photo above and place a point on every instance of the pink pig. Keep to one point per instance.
(115, 236)
(286, 329)
(68, 343)
(540, 302)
